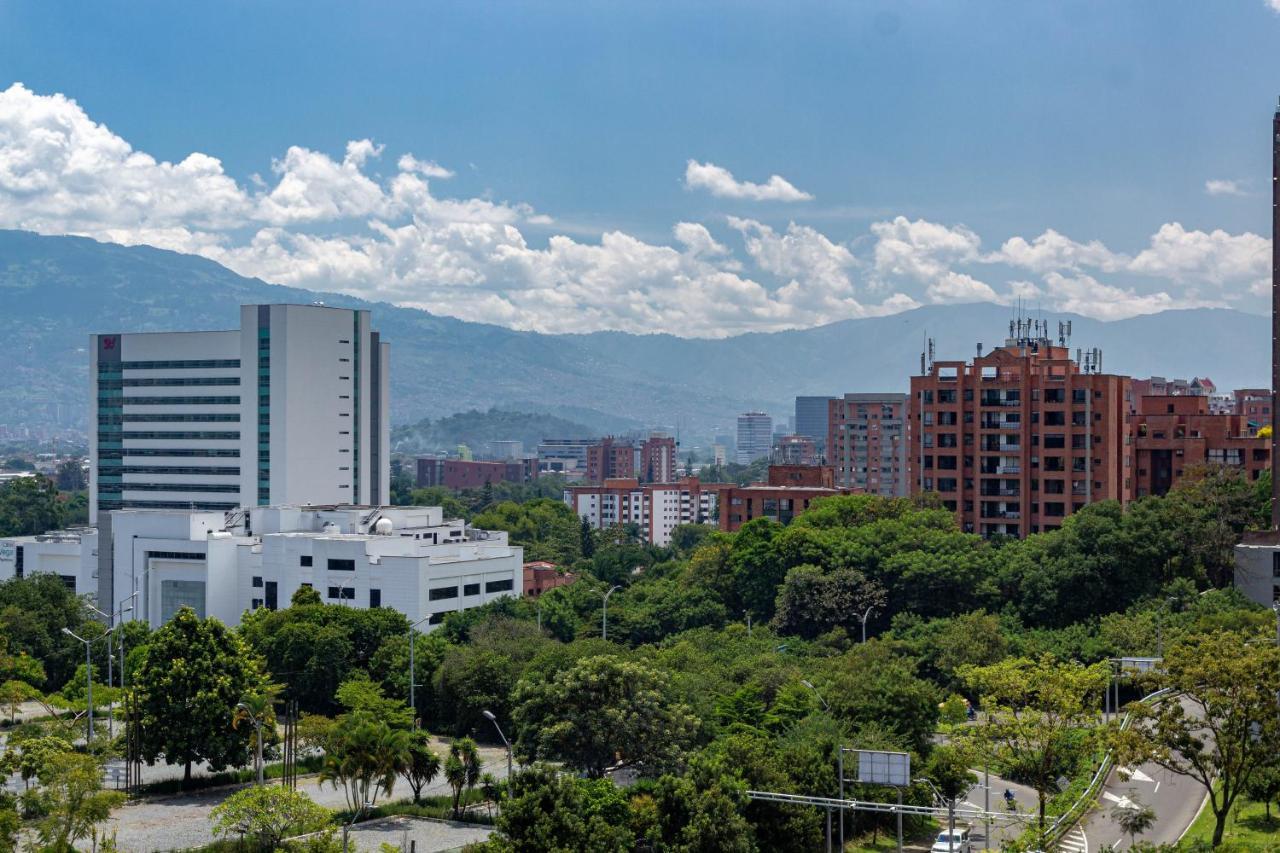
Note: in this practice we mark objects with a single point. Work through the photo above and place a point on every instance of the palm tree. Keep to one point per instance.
(462, 769)
(365, 757)
(424, 764)
(258, 709)
(1134, 818)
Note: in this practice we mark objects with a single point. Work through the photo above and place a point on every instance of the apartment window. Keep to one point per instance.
(1055, 509)
(1079, 395)
(442, 592)
(257, 582)
(471, 589)
(304, 560)
(342, 565)
(375, 598)
(271, 597)
(498, 586)
(342, 593)
(255, 604)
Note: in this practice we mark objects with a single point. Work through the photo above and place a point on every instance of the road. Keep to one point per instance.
(1015, 821)
(1175, 799)
(182, 821)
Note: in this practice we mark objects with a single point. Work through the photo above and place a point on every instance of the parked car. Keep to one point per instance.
(957, 841)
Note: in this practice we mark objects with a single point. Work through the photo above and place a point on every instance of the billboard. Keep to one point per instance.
(884, 768)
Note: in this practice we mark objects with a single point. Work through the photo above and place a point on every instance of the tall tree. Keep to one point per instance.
(192, 676)
(423, 765)
(29, 505)
(601, 710)
(1036, 712)
(1223, 729)
(462, 769)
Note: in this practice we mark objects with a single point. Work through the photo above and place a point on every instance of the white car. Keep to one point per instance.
(956, 841)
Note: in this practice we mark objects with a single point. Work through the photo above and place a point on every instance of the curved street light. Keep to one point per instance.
(809, 684)
(604, 616)
(88, 677)
(491, 718)
(413, 673)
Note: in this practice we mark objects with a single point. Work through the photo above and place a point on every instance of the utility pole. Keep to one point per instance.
(1275, 318)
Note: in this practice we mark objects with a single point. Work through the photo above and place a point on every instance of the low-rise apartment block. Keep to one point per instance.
(467, 474)
(1172, 434)
(789, 491)
(656, 508)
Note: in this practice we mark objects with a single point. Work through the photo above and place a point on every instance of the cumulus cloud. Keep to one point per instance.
(721, 183)
(1224, 187)
(1053, 251)
(1215, 257)
(348, 223)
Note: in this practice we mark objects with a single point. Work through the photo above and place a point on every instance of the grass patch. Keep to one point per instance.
(438, 808)
(887, 842)
(1247, 829)
(309, 764)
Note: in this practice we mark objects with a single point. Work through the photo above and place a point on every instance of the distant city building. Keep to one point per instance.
(567, 456)
(657, 508)
(1175, 433)
(796, 450)
(1255, 405)
(1018, 439)
(469, 474)
(1158, 386)
(221, 564)
(755, 437)
(658, 459)
(505, 451)
(540, 576)
(292, 406)
(719, 454)
(789, 491)
(868, 443)
(609, 459)
(811, 418)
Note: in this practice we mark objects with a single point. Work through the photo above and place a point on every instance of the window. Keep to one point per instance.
(442, 592)
(304, 560)
(498, 586)
(471, 589)
(178, 594)
(272, 598)
(342, 593)
(257, 582)
(342, 565)
(1054, 509)
(375, 598)
(437, 618)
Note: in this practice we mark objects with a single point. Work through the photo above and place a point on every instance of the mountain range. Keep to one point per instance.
(55, 291)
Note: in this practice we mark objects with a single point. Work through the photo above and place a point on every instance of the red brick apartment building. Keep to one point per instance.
(867, 442)
(540, 576)
(1171, 434)
(796, 450)
(789, 491)
(1018, 439)
(654, 461)
(466, 474)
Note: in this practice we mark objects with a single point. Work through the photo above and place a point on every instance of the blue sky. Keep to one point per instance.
(926, 134)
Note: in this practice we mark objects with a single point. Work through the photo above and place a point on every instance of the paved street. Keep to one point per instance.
(182, 821)
(429, 836)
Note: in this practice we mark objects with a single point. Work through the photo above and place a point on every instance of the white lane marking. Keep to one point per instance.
(1122, 802)
(1157, 790)
(1135, 774)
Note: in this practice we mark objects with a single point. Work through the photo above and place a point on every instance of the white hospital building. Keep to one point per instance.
(222, 563)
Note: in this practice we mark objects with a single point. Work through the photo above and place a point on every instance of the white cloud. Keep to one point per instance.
(1083, 294)
(721, 183)
(1053, 251)
(1215, 257)
(1274, 4)
(329, 223)
(1224, 187)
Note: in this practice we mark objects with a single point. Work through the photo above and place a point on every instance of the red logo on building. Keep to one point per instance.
(108, 343)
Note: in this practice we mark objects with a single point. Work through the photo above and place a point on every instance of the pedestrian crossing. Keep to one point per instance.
(1074, 842)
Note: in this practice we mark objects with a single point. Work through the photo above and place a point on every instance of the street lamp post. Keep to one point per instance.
(865, 615)
(88, 676)
(413, 673)
(346, 827)
(257, 731)
(809, 684)
(604, 616)
(111, 653)
(1276, 608)
(491, 718)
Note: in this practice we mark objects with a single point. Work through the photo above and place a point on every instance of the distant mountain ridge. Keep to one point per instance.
(55, 291)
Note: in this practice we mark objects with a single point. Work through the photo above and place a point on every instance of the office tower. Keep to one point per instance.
(755, 437)
(811, 418)
(291, 407)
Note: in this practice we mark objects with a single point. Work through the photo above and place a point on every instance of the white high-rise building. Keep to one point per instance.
(292, 407)
(755, 437)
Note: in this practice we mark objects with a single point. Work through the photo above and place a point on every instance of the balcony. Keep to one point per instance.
(989, 492)
(1008, 469)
